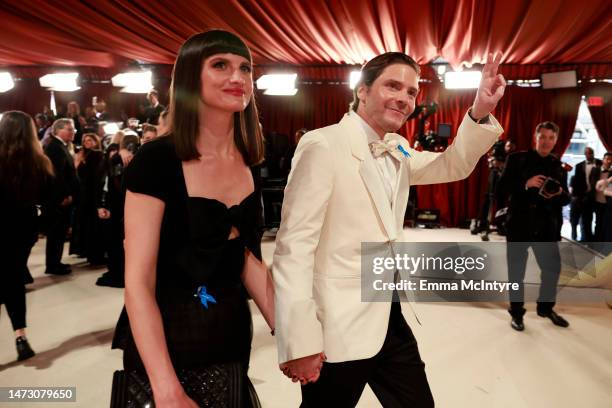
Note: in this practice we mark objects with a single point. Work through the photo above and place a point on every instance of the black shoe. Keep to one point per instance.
(555, 318)
(24, 351)
(59, 271)
(108, 281)
(97, 262)
(27, 277)
(65, 266)
(517, 324)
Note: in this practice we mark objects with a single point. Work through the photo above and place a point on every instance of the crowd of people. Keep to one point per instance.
(179, 225)
(62, 175)
(589, 202)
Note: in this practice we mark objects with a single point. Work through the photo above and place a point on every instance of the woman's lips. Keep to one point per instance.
(235, 92)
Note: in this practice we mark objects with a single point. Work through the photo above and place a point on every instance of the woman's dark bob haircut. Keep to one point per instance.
(185, 97)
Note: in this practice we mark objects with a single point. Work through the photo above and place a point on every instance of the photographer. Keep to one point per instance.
(111, 208)
(496, 160)
(537, 187)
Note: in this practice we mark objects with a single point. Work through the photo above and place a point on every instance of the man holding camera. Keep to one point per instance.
(537, 186)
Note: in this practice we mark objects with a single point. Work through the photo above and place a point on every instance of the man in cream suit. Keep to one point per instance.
(349, 184)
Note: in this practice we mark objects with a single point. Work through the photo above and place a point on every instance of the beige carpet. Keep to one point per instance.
(473, 357)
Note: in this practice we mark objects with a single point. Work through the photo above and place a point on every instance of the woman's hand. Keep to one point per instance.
(78, 159)
(174, 398)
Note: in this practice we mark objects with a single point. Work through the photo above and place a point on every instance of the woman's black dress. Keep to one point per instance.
(194, 252)
(87, 237)
(18, 234)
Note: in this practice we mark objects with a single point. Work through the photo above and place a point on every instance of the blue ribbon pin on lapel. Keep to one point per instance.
(205, 297)
(404, 151)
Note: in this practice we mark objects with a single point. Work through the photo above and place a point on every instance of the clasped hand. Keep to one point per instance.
(305, 370)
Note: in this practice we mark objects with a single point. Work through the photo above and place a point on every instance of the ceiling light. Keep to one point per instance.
(6, 81)
(354, 78)
(133, 82)
(282, 81)
(462, 80)
(63, 82)
(281, 91)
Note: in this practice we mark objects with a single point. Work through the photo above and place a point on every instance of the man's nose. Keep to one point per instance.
(402, 100)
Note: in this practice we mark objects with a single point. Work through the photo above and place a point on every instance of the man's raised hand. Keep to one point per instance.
(491, 88)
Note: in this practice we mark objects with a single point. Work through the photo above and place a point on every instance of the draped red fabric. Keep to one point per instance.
(106, 34)
(518, 112)
(321, 104)
(602, 115)
(314, 106)
(459, 200)
(584, 72)
(323, 41)
(561, 106)
(27, 96)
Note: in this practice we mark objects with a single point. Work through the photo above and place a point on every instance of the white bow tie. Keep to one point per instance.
(379, 147)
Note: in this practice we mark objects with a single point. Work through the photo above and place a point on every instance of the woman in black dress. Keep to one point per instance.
(192, 237)
(86, 238)
(25, 176)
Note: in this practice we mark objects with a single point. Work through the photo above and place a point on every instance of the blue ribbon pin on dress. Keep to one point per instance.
(404, 151)
(205, 297)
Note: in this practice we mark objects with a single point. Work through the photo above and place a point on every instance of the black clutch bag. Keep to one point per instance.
(218, 386)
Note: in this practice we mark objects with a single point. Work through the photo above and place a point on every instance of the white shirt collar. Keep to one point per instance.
(370, 133)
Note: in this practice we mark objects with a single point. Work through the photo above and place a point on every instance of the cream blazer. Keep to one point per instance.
(333, 202)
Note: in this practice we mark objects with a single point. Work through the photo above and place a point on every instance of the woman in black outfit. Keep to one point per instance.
(25, 174)
(86, 238)
(192, 237)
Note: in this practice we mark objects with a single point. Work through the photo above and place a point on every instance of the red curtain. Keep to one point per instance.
(323, 102)
(561, 106)
(602, 115)
(109, 34)
(314, 106)
(518, 112)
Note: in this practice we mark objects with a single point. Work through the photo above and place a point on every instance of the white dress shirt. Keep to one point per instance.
(386, 164)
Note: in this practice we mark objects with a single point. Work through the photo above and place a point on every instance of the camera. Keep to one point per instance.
(550, 186)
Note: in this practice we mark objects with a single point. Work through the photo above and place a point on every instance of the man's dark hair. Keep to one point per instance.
(130, 142)
(154, 92)
(606, 154)
(185, 96)
(149, 128)
(375, 67)
(547, 125)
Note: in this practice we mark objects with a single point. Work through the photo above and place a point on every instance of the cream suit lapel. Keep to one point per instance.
(369, 174)
(402, 188)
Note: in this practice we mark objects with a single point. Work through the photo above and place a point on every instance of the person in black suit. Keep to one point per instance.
(65, 189)
(537, 187)
(110, 207)
(601, 172)
(101, 114)
(582, 205)
(153, 111)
